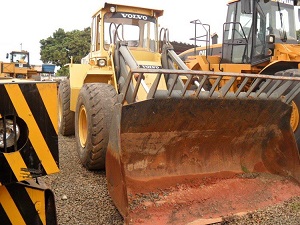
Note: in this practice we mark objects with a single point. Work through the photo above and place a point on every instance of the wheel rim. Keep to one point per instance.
(294, 117)
(82, 126)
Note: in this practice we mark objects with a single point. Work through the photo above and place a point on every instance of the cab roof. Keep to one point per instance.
(136, 8)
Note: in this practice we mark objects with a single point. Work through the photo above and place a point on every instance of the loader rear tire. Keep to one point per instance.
(66, 121)
(92, 123)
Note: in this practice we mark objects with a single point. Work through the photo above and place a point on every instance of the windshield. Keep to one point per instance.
(19, 57)
(137, 29)
(281, 19)
(245, 32)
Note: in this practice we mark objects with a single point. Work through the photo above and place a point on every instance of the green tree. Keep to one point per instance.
(58, 48)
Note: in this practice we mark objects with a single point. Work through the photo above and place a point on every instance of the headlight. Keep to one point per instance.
(271, 39)
(8, 132)
(112, 9)
(101, 62)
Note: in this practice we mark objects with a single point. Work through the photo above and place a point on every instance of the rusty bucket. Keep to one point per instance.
(194, 161)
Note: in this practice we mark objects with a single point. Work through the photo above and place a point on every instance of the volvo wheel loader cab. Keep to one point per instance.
(259, 37)
(176, 149)
(115, 30)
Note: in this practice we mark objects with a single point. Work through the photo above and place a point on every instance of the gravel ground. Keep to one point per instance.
(82, 197)
(287, 213)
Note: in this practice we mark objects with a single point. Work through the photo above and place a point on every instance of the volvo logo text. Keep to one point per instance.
(134, 16)
(150, 67)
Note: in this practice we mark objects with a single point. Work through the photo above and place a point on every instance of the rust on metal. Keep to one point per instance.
(176, 160)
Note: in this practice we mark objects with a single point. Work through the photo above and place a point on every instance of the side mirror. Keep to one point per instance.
(246, 6)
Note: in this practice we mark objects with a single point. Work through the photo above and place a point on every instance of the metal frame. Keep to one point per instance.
(257, 89)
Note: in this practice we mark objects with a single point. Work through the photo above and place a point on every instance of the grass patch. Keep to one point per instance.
(245, 169)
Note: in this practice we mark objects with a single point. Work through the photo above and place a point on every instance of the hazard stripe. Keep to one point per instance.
(10, 208)
(5, 101)
(16, 162)
(45, 119)
(7, 175)
(24, 204)
(40, 107)
(36, 137)
(3, 217)
(38, 198)
(11, 165)
(32, 161)
(50, 103)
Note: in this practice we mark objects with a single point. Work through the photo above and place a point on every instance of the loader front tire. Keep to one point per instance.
(295, 117)
(92, 123)
(66, 121)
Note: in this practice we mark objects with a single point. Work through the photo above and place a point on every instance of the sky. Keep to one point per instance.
(25, 23)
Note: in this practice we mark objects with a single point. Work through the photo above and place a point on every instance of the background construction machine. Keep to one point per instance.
(176, 150)
(259, 37)
(28, 150)
(18, 67)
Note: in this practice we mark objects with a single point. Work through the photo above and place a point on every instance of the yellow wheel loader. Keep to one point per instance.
(259, 37)
(28, 151)
(176, 149)
(18, 67)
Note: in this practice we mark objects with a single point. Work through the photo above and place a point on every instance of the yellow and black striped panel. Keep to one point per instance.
(22, 204)
(35, 106)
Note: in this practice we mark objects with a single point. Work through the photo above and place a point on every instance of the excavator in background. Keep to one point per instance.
(28, 151)
(176, 148)
(259, 37)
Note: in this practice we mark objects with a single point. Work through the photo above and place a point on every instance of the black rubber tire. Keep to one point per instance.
(296, 100)
(94, 111)
(66, 117)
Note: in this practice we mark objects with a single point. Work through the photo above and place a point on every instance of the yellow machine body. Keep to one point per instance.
(177, 144)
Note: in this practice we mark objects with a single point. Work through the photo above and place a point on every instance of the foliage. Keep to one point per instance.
(63, 71)
(58, 48)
